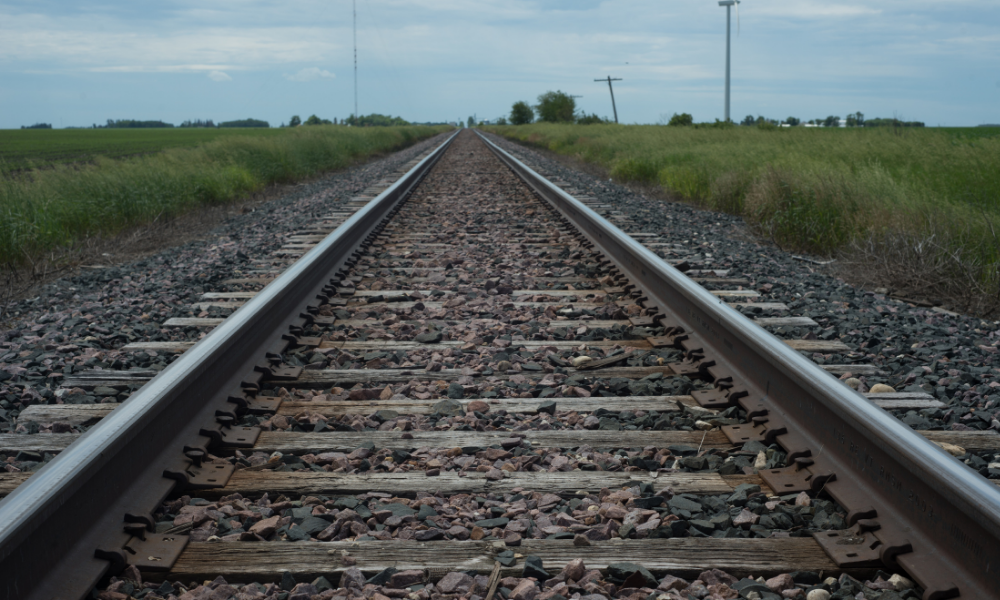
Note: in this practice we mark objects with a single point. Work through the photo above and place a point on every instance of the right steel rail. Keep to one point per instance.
(909, 503)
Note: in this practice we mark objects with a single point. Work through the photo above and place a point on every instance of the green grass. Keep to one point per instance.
(26, 149)
(815, 190)
(59, 206)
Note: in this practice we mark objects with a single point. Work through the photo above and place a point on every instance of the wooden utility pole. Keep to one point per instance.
(613, 107)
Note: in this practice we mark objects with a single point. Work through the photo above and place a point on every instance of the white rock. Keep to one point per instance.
(901, 583)
(703, 426)
(698, 411)
(881, 388)
(581, 360)
(852, 382)
(761, 460)
(818, 595)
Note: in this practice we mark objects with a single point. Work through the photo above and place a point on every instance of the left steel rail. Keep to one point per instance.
(80, 505)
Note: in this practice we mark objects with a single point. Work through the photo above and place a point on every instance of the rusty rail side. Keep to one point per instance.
(51, 526)
(912, 505)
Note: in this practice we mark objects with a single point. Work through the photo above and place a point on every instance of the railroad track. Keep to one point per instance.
(470, 370)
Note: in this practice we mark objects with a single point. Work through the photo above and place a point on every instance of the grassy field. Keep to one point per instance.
(57, 207)
(22, 149)
(923, 197)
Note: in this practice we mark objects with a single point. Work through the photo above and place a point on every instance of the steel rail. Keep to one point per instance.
(51, 525)
(929, 513)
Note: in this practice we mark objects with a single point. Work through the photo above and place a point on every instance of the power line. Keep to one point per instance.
(613, 107)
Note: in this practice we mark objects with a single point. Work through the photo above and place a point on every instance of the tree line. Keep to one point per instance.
(853, 120)
(208, 123)
(559, 107)
(372, 120)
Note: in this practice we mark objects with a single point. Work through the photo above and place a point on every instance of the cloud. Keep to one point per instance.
(219, 76)
(310, 74)
(814, 9)
(162, 68)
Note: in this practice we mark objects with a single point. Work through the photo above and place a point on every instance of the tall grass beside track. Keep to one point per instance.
(918, 209)
(55, 207)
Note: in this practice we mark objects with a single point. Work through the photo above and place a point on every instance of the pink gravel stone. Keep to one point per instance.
(780, 583)
(526, 590)
(455, 583)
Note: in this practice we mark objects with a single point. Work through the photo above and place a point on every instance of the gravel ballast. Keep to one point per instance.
(953, 357)
(82, 322)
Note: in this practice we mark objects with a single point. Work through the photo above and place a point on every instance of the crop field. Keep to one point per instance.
(24, 149)
(927, 199)
(163, 176)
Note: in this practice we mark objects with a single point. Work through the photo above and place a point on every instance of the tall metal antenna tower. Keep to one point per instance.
(356, 115)
(729, 6)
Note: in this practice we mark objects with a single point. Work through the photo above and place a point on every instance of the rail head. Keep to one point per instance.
(52, 524)
(933, 516)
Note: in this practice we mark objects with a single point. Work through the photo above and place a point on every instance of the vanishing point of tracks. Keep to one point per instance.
(473, 385)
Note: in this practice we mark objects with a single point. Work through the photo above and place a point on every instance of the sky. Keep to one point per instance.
(78, 63)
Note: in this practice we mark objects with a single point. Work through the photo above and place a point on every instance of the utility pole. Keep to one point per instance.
(356, 115)
(613, 107)
(729, 6)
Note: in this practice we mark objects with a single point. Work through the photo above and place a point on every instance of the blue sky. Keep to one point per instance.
(431, 60)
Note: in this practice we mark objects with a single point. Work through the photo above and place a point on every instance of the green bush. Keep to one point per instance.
(556, 107)
(680, 120)
(521, 113)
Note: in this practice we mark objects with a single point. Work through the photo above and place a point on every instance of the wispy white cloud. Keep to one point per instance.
(219, 76)
(163, 68)
(810, 9)
(310, 74)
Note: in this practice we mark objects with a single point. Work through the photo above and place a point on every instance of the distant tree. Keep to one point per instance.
(748, 120)
(295, 121)
(374, 120)
(245, 123)
(856, 120)
(38, 126)
(585, 119)
(793, 121)
(471, 122)
(314, 120)
(197, 123)
(556, 107)
(679, 120)
(521, 113)
(501, 121)
(831, 121)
